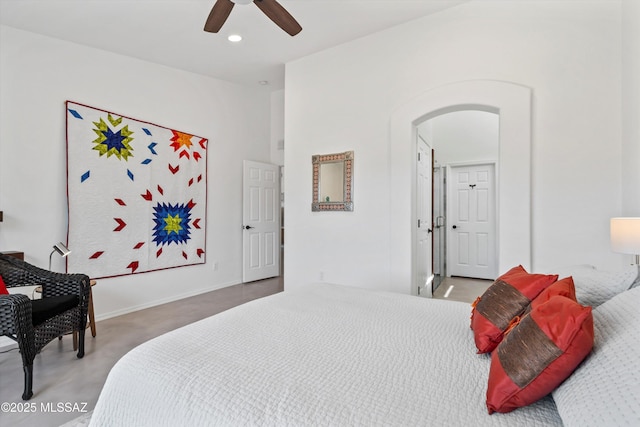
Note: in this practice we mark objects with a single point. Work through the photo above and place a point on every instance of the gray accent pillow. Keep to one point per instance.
(594, 287)
(605, 389)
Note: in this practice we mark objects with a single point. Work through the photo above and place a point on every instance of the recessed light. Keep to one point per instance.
(264, 82)
(235, 38)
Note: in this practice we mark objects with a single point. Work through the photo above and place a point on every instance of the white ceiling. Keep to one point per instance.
(169, 32)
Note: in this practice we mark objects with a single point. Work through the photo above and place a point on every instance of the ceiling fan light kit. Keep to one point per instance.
(274, 11)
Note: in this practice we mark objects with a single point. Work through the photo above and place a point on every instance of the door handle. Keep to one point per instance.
(454, 227)
(247, 227)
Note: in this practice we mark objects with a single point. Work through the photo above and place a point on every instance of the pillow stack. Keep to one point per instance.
(537, 332)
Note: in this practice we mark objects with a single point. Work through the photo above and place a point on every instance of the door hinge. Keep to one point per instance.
(418, 223)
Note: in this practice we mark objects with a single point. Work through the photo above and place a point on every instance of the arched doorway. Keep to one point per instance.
(513, 103)
(465, 147)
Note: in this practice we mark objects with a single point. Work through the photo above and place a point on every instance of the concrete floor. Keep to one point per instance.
(461, 289)
(61, 378)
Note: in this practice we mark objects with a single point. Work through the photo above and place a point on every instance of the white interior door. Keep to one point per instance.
(261, 221)
(424, 231)
(471, 221)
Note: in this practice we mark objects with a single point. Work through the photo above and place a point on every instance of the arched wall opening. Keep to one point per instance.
(462, 141)
(513, 103)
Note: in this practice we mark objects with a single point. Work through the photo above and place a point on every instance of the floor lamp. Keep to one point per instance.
(625, 236)
(61, 249)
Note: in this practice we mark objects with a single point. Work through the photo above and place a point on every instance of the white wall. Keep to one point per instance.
(277, 127)
(463, 136)
(567, 52)
(37, 74)
(630, 167)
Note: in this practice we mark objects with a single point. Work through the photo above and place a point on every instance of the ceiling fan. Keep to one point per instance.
(271, 8)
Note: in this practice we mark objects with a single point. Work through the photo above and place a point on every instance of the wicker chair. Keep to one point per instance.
(33, 324)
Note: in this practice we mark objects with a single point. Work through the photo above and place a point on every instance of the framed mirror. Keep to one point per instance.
(332, 182)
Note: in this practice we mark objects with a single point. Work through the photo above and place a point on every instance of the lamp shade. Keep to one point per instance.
(625, 235)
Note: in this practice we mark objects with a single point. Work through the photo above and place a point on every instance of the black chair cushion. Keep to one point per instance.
(46, 308)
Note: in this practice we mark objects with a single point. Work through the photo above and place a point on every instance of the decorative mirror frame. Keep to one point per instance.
(346, 204)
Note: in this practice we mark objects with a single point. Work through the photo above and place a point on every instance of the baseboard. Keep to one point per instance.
(161, 301)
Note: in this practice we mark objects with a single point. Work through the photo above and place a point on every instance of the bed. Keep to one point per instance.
(343, 356)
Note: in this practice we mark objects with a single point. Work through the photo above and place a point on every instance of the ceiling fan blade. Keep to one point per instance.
(279, 15)
(218, 15)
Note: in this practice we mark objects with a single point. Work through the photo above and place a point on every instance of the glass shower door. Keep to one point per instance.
(439, 236)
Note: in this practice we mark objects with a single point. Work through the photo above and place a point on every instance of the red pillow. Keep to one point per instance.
(564, 287)
(539, 353)
(508, 297)
(3, 287)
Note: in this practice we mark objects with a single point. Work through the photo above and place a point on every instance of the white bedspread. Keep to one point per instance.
(330, 355)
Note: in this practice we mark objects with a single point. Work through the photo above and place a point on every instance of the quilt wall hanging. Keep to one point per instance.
(137, 194)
